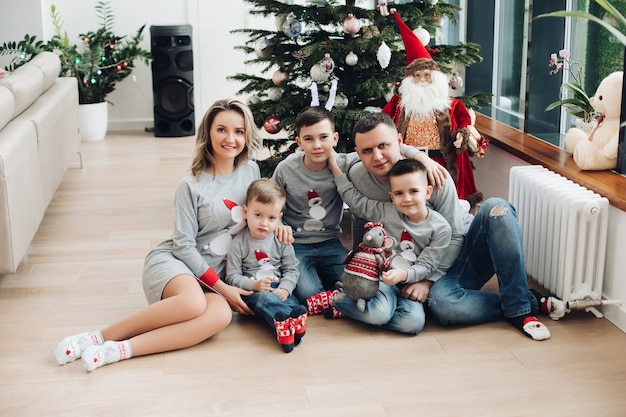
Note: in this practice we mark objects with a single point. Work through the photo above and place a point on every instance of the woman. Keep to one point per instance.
(180, 314)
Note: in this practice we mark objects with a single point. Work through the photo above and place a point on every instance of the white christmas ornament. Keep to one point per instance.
(274, 93)
(262, 48)
(280, 21)
(384, 55)
(341, 101)
(318, 75)
(352, 59)
(422, 34)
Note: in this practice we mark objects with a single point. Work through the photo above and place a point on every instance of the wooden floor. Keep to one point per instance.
(83, 270)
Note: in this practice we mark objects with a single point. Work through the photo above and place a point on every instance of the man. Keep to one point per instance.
(479, 246)
(427, 117)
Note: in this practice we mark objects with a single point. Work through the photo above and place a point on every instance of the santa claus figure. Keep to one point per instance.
(427, 117)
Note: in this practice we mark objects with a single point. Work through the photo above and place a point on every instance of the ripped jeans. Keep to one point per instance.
(493, 244)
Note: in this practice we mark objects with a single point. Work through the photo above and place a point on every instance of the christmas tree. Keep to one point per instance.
(338, 55)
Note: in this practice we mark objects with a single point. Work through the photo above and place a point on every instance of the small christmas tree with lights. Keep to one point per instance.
(102, 59)
(338, 55)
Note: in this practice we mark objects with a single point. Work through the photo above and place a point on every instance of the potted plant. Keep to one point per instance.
(573, 97)
(98, 62)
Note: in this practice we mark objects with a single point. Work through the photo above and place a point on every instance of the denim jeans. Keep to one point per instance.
(387, 309)
(320, 265)
(266, 304)
(493, 244)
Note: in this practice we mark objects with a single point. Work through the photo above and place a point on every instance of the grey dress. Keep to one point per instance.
(208, 214)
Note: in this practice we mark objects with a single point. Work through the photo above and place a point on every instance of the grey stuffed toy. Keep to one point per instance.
(365, 265)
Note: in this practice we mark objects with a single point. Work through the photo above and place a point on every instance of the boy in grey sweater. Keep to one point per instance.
(314, 208)
(420, 235)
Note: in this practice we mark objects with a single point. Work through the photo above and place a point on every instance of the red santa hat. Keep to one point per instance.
(417, 56)
(230, 204)
(260, 255)
(405, 236)
(412, 45)
(313, 194)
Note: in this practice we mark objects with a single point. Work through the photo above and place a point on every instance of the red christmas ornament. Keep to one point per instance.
(272, 124)
(351, 25)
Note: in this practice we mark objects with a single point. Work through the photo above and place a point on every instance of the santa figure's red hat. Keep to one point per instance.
(417, 56)
(412, 45)
(405, 236)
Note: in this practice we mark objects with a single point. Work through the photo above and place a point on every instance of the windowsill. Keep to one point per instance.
(608, 184)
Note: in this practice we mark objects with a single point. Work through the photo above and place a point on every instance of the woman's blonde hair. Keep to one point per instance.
(203, 159)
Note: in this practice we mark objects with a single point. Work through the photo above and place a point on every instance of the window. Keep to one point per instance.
(516, 49)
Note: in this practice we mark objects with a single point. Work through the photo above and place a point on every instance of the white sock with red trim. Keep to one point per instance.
(72, 347)
(109, 352)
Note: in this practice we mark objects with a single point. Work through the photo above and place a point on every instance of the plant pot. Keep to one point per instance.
(93, 120)
(586, 126)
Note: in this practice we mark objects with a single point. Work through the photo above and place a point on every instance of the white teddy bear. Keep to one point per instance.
(598, 151)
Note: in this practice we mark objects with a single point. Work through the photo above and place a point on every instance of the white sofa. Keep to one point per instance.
(38, 139)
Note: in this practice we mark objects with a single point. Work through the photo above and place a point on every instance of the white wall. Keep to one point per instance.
(213, 44)
(18, 18)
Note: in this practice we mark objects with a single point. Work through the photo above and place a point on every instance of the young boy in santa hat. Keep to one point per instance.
(258, 261)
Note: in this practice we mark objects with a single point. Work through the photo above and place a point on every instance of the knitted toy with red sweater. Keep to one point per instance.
(365, 265)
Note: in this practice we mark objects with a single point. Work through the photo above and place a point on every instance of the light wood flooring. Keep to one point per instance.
(83, 271)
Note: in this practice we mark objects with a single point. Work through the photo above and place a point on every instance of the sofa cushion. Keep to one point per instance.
(26, 83)
(21, 200)
(55, 117)
(7, 106)
(50, 65)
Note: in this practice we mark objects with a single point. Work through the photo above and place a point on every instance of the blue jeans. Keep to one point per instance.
(387, 309)
(266, 304)
(493, 244)
(320, 265)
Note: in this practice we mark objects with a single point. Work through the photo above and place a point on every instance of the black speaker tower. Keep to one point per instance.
(172, 81)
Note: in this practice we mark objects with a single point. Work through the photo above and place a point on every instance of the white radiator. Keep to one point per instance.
(564, 228)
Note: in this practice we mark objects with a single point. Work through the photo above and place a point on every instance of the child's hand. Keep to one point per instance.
(394, 276)
(264, 284)
(284, 234)
(332, 163)
(418, 291)
(281, 293)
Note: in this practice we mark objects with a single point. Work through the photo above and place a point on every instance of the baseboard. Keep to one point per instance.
(616, 315)
(142, 124)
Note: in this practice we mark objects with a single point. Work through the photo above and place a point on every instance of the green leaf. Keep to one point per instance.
(583, 15)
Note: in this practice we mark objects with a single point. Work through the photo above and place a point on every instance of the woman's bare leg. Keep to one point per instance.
(184, 317)
(182, 300)
(215, 318)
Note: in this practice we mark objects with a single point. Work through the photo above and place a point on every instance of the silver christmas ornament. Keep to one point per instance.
(352, 59)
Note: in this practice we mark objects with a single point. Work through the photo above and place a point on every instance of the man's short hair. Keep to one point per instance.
(370, 121)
